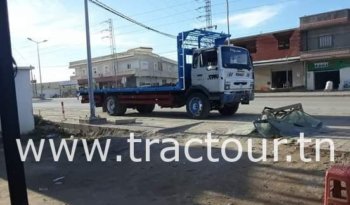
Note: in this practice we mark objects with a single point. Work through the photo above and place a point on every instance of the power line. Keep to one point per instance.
(104, 6)
(178, 21)
(168, 16)
(166, 24)
(162, 9)
(23, 58)
(175, 6)
(177, 14)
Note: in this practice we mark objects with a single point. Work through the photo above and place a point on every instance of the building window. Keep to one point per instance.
(106, 69)
(283, 43)
(144, 65)
(283, 39)
(164, 82)
(172, 68)
(160, 66)
(325, 41)
(129, 66)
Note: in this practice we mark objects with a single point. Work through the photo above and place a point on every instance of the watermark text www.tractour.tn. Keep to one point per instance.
(231, 149)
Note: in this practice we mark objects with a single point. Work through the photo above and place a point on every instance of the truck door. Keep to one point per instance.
(205, 70)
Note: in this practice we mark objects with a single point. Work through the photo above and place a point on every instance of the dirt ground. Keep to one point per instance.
(157, 182)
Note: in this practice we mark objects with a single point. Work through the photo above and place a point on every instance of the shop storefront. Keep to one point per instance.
(337, 71)
(281, 75)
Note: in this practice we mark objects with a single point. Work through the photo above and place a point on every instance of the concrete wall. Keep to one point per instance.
(262, 76)
(325, 19)
(155, 67)
(267, 45)
(340, 35)
(299, 76)
(310, 81)
(345, 77)
(24, 100)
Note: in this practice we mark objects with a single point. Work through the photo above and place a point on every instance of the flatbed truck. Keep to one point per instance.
(211, 76)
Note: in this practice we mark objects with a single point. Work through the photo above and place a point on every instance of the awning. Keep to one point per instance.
(277, 61)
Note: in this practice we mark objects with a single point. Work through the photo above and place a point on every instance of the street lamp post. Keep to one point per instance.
(228, 20)
(40, 78)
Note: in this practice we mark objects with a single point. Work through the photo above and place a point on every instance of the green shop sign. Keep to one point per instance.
(328, 65)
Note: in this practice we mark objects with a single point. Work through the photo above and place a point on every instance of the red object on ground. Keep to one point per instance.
(337, 185)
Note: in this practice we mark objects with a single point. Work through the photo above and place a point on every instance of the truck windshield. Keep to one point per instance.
(235, 58)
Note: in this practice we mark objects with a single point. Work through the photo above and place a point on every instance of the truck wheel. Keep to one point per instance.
(113, 107)
(198, 106)
(229, 110)
(145, 109)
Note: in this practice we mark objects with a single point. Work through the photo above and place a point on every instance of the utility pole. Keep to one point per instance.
(112, 47)
(207, 16)
(40, 78)
(228, 21)
(9, 115)
(33, 82)
(89, 63)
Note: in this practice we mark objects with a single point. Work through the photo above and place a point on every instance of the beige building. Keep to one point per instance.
(56, 89)
(133, 68)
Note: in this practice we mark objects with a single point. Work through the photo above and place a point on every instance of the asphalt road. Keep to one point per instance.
(334, 111)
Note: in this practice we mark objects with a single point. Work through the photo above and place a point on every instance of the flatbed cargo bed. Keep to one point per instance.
(148, 89)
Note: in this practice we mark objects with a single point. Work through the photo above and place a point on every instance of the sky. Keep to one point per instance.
(61, 23)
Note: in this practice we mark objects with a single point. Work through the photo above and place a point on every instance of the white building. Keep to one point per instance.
(133, 68)
(56, 89)
(24, 100)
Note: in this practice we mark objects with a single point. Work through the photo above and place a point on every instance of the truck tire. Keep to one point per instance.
(145, 109)
(198, 106)
(113, 108)
(229, 110)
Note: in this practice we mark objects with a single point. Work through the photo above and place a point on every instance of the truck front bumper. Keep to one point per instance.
(237, 97)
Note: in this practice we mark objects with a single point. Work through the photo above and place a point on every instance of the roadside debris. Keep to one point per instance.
(287, 121)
